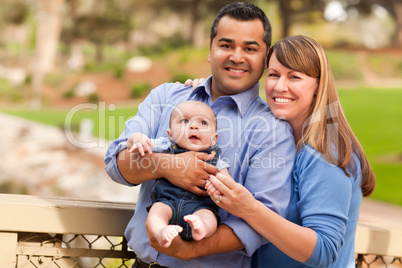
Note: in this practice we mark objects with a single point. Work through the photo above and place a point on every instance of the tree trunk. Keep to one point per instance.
(285, 13)
(398, 16)
(194, 20)
(47, 38)
(99, 53)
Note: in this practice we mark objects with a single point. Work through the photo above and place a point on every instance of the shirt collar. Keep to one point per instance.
(243, 100)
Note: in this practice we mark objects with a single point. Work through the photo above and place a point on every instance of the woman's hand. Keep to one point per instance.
(230, 195)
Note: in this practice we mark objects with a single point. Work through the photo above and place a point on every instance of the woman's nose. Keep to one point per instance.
(281, 85)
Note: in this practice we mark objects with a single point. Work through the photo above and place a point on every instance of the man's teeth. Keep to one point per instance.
(282, 100)
(236, 70)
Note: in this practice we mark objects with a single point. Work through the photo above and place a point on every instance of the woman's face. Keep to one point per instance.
(289, 93)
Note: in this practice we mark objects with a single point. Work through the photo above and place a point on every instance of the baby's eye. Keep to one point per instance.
(184, 121)
(204, 123)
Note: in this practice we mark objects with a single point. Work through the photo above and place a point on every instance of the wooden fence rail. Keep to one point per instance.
(61, 232)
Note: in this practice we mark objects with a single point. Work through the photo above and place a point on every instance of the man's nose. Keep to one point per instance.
(237, 55)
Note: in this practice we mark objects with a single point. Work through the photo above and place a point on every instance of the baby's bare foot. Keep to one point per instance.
(198, 228)
(167, 234)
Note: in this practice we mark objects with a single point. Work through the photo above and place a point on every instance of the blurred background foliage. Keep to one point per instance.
(55, 54)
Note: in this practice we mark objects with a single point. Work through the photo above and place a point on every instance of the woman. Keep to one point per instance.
(331, 171)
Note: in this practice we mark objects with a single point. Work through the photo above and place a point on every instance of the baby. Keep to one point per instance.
(174, 211)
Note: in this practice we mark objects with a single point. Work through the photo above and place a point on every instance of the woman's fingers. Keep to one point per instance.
(219, 185)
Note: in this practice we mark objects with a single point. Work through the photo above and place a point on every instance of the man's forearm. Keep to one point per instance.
(137, 169)
(222, 241)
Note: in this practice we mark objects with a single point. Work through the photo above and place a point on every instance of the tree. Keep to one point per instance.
(107, 22)
(294, 11)
(101, 31)
(394, 8)
(47, 38)
(197, 10)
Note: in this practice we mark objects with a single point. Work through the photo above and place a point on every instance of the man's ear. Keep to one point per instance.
(266, 58)
(209, 57)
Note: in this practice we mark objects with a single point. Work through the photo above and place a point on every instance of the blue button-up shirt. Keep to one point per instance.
(258, 147)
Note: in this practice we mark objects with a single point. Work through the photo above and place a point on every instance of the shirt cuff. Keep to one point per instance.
(111, 167)
(251, 239)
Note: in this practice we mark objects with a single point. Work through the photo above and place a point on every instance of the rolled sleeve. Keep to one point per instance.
(247, 235)
(111, 162)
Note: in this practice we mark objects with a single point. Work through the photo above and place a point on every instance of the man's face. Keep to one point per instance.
(237, 56)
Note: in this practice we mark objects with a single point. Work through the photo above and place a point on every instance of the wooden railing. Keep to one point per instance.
(59, 232)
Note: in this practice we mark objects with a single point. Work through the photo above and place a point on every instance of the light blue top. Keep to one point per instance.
(327, 201)
(258, 147)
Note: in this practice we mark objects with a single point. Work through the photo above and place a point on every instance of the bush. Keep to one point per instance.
(139, 90)
(118, 71)
(68, 94)
(93, 98)
(182, 77)
(345, 65)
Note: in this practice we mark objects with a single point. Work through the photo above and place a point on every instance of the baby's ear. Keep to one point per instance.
(215, 138)
(169, 133)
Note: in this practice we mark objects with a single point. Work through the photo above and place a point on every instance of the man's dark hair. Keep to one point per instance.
(243, 12)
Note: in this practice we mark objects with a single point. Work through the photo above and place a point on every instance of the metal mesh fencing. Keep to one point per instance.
(72, 250)
(377, 261)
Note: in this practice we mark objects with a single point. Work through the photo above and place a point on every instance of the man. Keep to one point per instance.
(258, 147)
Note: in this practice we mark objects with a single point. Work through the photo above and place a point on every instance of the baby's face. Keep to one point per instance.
(193, 127)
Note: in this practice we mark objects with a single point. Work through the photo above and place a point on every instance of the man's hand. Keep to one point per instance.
(222, 241)
(188, 171)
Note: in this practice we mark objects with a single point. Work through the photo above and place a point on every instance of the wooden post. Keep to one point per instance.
(8, 246)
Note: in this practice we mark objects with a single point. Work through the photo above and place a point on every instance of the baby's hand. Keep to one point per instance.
(140, 144)
(195, 82)
(211, 189)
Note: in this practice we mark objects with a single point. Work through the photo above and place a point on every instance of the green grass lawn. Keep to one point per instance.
(375, 116)
(108, 123)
